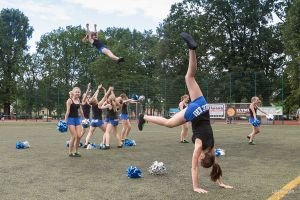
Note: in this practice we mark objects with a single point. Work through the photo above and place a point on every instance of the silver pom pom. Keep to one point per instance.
(157, 168)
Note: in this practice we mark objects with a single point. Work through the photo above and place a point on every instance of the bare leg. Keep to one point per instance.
(124, 129)
(176, 120)
(72, 138)
(184, 132)
(90, 134)
(254, 133)
(82, 132)
(110, 54)
(128, 128)
(109, 127)
(115, 130)
(192, 85)
(78, 131)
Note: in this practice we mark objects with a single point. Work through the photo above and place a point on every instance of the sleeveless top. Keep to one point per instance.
(86, 108)
(124, 109)
(97, 112)
(74, 110)
(251, 113)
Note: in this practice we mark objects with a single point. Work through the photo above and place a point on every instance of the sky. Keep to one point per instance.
(47, 15)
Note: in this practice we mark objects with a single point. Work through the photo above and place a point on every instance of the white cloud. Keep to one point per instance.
(38, 9)
(156, 9)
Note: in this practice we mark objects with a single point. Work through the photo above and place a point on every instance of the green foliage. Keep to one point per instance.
(14, 34)
(240, 54)
(291, 38)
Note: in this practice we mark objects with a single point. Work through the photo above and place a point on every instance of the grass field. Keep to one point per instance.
(44, 171)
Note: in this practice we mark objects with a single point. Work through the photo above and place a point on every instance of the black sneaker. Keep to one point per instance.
(105, 147)
(120, 146)
(189, 40)
(252, 143)
(121, 59)
(77, 154)
(71, 155)
(141, 122)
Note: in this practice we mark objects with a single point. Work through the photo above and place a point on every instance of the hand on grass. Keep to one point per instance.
(199, 190)
(222, 185)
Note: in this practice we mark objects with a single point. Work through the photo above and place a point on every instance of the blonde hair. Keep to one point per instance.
(93, 101)
(253, 99)
(71, 94)
(183, 97)
(75, 88)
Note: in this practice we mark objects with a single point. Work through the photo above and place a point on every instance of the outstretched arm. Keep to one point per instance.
(262, 111)
(86, 93)
(97, 91)
(88, 34)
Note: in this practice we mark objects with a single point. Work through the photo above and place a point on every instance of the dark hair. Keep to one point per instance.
(208, 161)
(123, 96)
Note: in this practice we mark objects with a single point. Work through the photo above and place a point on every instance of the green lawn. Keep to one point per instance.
(44, 171)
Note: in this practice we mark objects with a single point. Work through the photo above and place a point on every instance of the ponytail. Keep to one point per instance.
(216, 172)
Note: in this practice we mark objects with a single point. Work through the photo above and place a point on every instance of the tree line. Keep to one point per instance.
(243, 52)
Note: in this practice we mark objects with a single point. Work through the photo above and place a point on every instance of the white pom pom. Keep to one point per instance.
(157, 168)
(141, 98)
(270, 117)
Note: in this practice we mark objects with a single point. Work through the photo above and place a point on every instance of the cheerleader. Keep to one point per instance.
(96, 120)
(86, 108)
(93, 39)
(184, 127)
(112, 107)
(124, 115)
(198, 113)
(253, 119)
(73, 120)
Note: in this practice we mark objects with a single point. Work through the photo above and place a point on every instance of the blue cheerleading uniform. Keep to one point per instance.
(113, 117)
(251, 119)
(99, 45)
(198, 114)
(124, 112)
(97, 116)
(73, 118)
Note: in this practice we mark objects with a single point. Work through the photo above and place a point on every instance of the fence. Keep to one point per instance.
(161, 94)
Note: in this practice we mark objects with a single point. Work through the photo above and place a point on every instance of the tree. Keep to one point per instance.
(14, 34)
(291, 40)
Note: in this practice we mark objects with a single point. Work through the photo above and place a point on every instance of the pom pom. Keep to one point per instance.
(91, 146)
(141, 98)
(62, 126)
(135, 97)
(157, 168)
(22, 145)
(270, 117)
(129, 143)
(134, 172)
(85, 123)
(256, 123)
(219, 152)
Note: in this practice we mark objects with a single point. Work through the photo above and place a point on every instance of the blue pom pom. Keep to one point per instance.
(135, 97)
(218, 152)
(134, 172)
(128, 143)
(256, 123)
(62, 126)
(20, 145)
